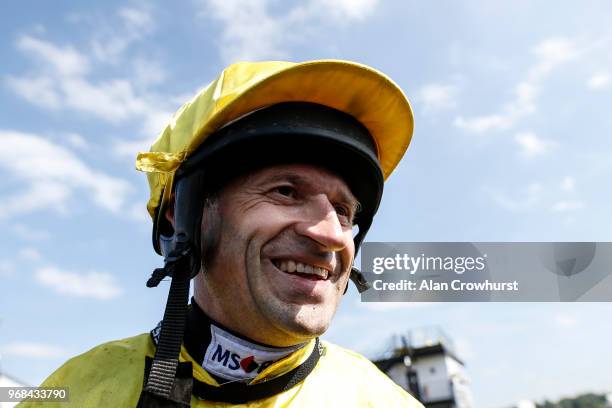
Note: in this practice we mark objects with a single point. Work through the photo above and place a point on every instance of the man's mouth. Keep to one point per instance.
(304, 270)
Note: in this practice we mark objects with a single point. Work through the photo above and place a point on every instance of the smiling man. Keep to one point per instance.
(285, 248)
(262, 189)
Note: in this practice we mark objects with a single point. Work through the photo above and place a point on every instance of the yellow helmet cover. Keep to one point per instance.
(358, 90)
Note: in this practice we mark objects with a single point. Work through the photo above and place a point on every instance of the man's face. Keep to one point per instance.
(284, 254)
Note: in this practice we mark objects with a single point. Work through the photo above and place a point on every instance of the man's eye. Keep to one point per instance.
(286, 191)
(344, 213)
(341, 210)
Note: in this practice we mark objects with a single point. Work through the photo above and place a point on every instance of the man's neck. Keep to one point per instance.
(228, 355)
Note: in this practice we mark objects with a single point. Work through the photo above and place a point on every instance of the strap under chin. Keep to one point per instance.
(233, 393)
(356, 276)
(160, 381)
(359, 280)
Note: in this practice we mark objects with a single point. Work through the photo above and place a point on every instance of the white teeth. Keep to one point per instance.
(292, 266)
(321, 272)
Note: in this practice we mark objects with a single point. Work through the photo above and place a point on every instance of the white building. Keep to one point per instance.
(6, 381)
(424, 363)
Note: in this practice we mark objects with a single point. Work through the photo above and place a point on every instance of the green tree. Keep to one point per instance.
(581, 401)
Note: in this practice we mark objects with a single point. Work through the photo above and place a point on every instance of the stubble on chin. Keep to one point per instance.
(300, 321)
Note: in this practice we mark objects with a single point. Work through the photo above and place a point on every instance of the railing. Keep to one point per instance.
(399, 344)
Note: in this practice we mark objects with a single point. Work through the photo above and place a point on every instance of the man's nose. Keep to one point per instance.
(322, 225)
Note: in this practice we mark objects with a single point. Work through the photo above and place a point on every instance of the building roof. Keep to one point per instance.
(414, 353)
(10, 381)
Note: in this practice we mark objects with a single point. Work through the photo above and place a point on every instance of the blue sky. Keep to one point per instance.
(512, 143)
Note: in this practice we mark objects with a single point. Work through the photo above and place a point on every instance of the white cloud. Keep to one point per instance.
(524, 201)
(97, 285)
(37, 196)
(39, 29)
(251, 32)
(526, 93)
(53, 173)
(113, 100)
(599, 81)
(148, 72)
(534, 196)
(40, 91)
(30, 254)
(65, 60)
(553, 51)
(550, 54)
(138, 18)
(66, 87)
(563, 206)
(346, 9)
(33, 350)
(435, 97)
(30, 234)
(153, 123)
(568, 183)
(531, 145)
(64, 78)
(482, 124)
(110, 43)
(77, 141)
(62, 75)
(129, 148)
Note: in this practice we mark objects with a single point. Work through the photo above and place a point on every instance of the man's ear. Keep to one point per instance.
(169, 213)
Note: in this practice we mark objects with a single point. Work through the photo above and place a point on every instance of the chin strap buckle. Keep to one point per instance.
(359, 280)
(175, 259)
(157, 276)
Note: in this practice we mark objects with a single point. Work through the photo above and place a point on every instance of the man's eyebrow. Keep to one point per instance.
(291, 177)
(346, 196)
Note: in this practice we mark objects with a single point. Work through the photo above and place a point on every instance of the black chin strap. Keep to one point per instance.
(169, 383)
(356, 276)
(160, 382)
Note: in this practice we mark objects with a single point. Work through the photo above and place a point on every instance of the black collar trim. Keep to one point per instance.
(237, 392)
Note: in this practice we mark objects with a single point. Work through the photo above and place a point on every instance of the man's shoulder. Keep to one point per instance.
(344, 355)
(358, 364)
(107, 373)
(365, 378)
(112, 355)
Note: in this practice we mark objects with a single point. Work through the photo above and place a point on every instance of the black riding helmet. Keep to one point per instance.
(291, 132)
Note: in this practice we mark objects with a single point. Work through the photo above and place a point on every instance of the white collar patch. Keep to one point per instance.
(233, 358)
